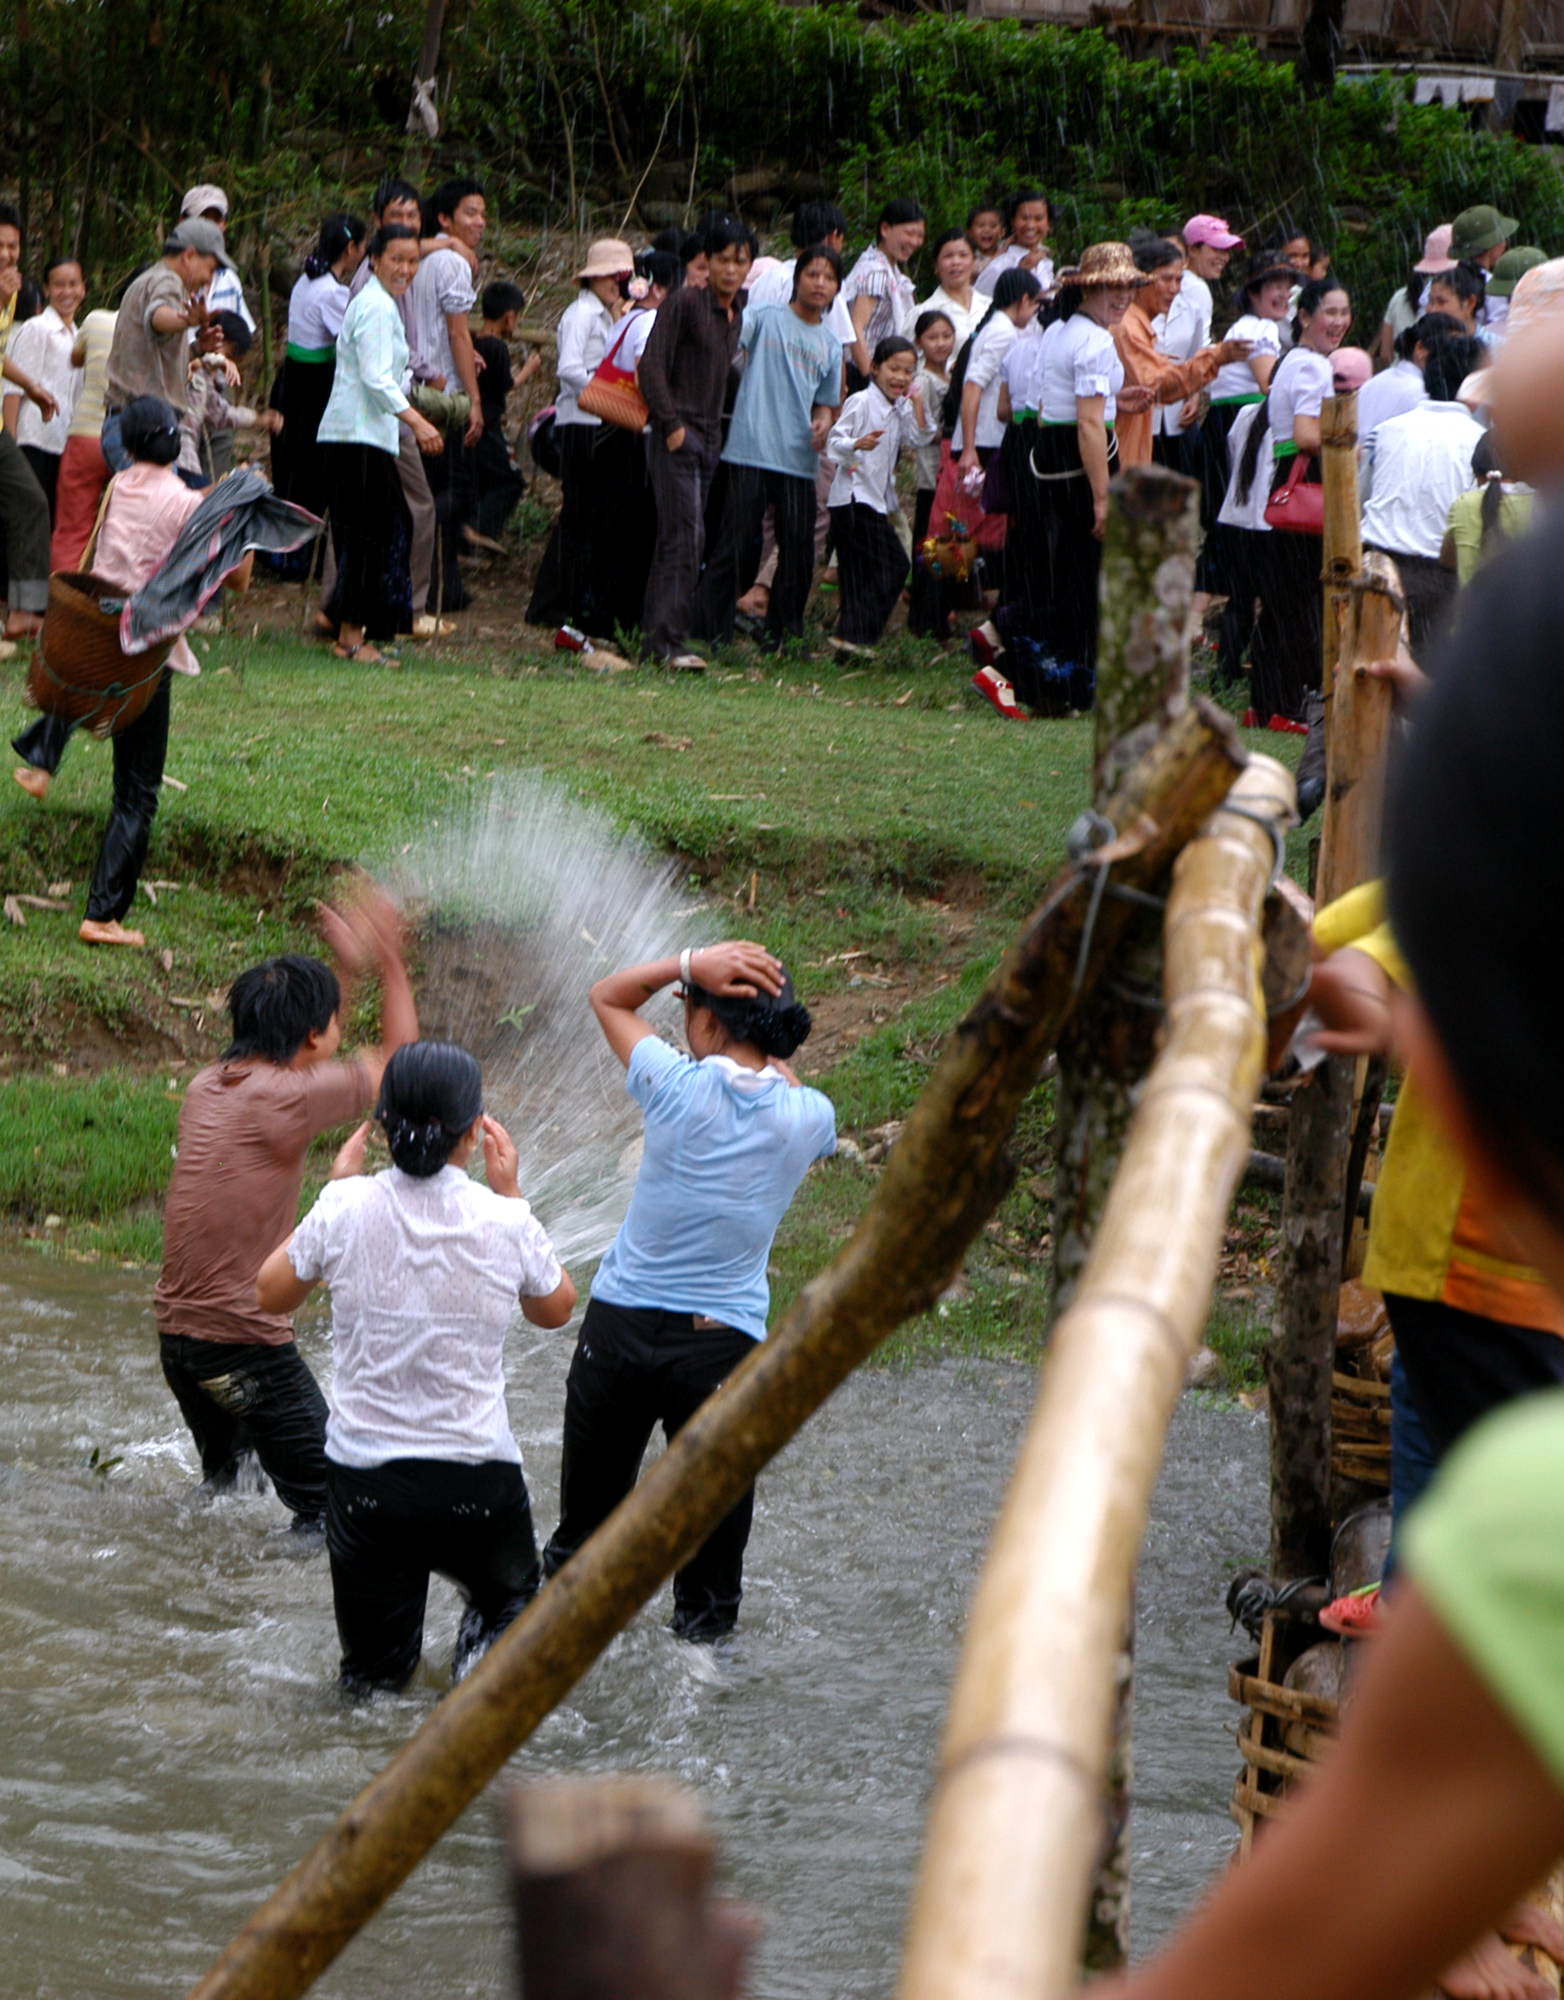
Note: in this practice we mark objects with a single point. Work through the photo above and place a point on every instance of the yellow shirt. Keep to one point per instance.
(1430, 1237)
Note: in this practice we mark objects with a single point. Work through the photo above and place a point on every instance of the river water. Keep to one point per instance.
(172, 1743)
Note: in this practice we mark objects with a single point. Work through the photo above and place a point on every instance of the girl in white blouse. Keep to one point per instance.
(1285, 658)
(864, 445)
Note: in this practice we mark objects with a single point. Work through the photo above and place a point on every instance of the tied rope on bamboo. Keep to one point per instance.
(1017, 1819)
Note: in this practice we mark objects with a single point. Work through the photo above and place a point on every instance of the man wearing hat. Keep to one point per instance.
(1507, 274)
(1480, 236)
(150, 353)
(208, 203)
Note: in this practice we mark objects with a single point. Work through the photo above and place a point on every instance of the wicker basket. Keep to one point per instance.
(78, 670)
(1284, 1732)
(1360, 1429)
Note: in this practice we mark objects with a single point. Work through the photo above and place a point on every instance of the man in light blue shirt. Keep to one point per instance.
(787, 403)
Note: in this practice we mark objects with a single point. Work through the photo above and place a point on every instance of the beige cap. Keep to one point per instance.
(202, 197)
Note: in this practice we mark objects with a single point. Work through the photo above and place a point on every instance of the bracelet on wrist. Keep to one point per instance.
(684, 965)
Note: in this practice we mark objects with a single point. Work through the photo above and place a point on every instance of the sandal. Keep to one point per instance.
(1355, 1616)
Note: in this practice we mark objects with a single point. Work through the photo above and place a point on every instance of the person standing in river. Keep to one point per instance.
(244, 1130)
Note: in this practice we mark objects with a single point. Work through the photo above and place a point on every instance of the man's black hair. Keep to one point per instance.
(1450, 359)
(234, 331)
(277, 1005)
(448, 195)
(722, 231)
(393, 190)
(814, 221)
(12, 215)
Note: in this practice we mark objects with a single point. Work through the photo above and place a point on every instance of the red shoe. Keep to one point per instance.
(989, 681)
(1285, 725)
(1251, 718)
(986, 644)
(1355, 1616)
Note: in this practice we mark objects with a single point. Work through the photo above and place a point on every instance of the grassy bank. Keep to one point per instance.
(880, 828)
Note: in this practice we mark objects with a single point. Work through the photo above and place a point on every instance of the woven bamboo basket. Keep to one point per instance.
(1284, 1733)
(78, 670)
(1360, 1429)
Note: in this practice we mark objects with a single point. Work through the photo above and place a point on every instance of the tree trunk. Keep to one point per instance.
(1320, 47)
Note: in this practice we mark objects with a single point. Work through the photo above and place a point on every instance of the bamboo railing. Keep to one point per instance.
(1016, 1822)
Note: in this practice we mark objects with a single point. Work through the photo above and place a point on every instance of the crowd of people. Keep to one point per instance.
(730, 428)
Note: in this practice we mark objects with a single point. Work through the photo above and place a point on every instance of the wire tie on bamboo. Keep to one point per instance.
(1009, 1744)
(1091, 832)
(1270, 826)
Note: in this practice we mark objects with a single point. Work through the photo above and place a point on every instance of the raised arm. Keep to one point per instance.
(369, 931)
(739, 969)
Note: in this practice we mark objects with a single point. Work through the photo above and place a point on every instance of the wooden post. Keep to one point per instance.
(940, 1185)
(612, 1884)
(1301, 1355)
(1508, 51)
(1148, 579)
(1017, 1817)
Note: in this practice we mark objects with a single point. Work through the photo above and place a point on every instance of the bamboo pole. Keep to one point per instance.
(1301, 1353)
(1017, 1818)
(1148, 581)
(941, 1182)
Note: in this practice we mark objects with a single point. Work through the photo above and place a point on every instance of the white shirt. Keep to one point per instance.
(1077, 358)
(1250, 512)
(963, 318)
(41, 347)
(636, 327)
(1299, 387)
(1194, 296)
(1181, 333)
(424, 1278)
(1414, 467)
(1237, 378)
(1007, 260)
(316, 310)
(585, 330)
(771, 284)
(1391, 393)
(226, 294)
(443, 285)
(985, 370)
(869, 477)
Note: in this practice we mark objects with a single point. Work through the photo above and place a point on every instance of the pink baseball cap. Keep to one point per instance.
(1212, 229)
(1436, 251)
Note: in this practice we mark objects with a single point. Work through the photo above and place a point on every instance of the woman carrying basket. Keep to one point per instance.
(147, 506)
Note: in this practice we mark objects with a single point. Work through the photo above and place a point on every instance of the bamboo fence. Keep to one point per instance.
(1016, 1824)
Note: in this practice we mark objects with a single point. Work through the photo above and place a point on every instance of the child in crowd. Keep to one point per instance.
(425, 1268)
(41, 348)
(245, 1128)
(864, 445)
(787, 401)
(498, 483)
(934, 334)
(210, 416)
(985, 232)
(1028, 220)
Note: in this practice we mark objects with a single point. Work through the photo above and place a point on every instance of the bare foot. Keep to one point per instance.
(1529, 1923)
(92, 932)
(31, 779)
(23, 625)
(1489, 1972)
(756, 601)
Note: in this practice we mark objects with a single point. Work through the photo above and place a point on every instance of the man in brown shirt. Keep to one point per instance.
(684, 378)
(151, 350)
(244, 1131)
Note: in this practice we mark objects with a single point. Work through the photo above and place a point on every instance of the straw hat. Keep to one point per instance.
(1105, 264)
(608, 258)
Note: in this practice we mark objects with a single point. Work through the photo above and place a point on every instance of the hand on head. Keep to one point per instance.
(739, 968)
(500, 1158)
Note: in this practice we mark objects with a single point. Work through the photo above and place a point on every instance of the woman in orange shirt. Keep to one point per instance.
(1136, 339)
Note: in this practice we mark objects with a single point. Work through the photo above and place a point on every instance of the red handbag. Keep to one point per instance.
(612, 393)
(1298, 506)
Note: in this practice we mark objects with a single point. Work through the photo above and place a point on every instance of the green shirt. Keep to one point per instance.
(1486, 1549)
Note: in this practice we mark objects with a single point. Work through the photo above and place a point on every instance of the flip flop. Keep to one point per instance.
(1355, 1616)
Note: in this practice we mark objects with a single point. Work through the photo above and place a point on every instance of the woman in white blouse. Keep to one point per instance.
(426, 1270)
(1072, 381)
(954, 293)
(317, 307)
(877, 291)
(1285, 657)
(564, 590)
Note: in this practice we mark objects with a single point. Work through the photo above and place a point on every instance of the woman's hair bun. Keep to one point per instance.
(429, 1096)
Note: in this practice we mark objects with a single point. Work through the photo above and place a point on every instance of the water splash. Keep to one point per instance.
(519, 905)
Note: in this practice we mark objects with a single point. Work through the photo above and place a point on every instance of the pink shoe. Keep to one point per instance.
(989, 681)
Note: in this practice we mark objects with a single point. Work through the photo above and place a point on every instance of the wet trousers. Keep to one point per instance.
(390, 1527)
(139, 753)
(239, 1397)
(636, 1367)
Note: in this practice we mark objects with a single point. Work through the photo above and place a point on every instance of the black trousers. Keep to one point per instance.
(734, 555)
(140, 750)
(636, 1367)
(561, 594)
(1459, 1365)
(390, 1527)
(681, 485)
(371, 534)
(238, 1398)
(1429, 589)
(1284, 658)
(871, 566)
(1214, 466)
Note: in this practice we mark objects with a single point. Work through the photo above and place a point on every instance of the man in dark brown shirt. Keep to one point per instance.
(684, 378)
(244, 1130)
